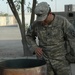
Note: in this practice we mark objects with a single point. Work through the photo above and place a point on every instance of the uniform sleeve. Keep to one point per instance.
(70, 32)
(31, 38)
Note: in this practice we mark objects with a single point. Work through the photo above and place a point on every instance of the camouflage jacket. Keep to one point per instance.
(51, 36)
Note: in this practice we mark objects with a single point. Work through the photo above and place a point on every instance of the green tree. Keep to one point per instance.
(29, 8)
(21, 23)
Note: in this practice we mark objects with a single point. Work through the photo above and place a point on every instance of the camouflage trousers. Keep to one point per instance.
(61, 67)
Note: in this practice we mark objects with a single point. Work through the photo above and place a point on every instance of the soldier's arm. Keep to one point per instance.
(70, 32)
(31, 36)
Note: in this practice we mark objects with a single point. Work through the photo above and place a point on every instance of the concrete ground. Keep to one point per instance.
(11, 48)
(73, 69)
(10, 42)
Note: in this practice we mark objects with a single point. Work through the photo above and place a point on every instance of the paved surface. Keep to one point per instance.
(73, 69)
(10, 42)
(11, 48)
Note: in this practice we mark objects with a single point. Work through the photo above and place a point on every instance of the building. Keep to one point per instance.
(2, 20)
(7, 20)
(27, 18)
(10, 20)
(69, 7)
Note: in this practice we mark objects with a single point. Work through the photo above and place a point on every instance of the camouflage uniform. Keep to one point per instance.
(51, 39)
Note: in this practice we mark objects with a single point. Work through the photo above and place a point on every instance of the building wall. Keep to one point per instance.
(7, 20)
(10, 20)
(2, 20)
(27, 18)
(73, 8)
(70, 8)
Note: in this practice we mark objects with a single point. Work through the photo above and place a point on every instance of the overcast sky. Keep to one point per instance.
(56, 5)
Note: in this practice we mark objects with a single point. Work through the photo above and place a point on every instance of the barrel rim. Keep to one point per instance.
(38, 63)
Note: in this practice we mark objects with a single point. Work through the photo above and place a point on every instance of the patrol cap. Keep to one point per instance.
(41, 10)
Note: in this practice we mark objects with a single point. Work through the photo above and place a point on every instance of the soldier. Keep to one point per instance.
(50, 29)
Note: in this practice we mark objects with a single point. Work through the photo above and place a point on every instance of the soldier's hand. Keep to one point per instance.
(39, 52)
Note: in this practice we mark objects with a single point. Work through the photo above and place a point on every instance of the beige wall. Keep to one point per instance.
(7, 20)
(2, 20)
(10, 20)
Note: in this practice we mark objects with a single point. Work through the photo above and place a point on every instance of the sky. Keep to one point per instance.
(56, 5)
